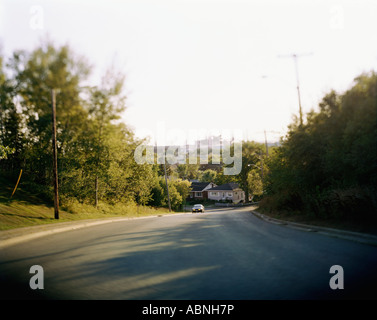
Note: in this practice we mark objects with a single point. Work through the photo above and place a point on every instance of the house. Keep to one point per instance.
(199, 190)
(227, 192)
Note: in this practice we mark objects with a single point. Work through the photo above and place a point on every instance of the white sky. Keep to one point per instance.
(207, 64)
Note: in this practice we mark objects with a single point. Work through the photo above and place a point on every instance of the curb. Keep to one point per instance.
(18, 235)
(364, 238)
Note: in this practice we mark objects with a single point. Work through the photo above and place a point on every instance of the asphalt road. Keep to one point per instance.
(226, 253)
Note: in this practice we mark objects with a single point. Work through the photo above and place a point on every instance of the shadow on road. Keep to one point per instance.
(217, 256)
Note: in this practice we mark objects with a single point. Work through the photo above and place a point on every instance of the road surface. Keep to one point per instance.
(225, 253)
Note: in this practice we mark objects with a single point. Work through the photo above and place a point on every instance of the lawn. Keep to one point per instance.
(27, 208)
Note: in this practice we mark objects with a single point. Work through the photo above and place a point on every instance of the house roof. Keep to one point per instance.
(199, 186)
(226, 187)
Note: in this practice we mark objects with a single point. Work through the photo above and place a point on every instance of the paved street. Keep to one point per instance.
(225, 253)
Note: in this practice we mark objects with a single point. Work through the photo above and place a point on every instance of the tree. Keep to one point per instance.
(178, 191)
(11, 136)
(252, 154)
(183, 187)
(208, 175)
(222, 179)
(329, 165)
(188, 171)
(255, 183)
(105, 105)
(5, 151)
(35, 75)
(175, 197)
(95, 149)
(157, 196)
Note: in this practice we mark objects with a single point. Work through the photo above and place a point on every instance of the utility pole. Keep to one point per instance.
(265, 141)
(166, 181)
(295, 57)
(55, 158)
(261, 167)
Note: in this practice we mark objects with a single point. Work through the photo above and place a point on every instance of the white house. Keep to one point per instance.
(199, 190)
(226, 192)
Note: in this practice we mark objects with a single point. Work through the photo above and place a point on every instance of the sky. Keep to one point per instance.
(195, 68)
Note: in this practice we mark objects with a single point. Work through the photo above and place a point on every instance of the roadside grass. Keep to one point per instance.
(28, 209)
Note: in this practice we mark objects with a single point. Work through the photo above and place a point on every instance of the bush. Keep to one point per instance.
(352, 203)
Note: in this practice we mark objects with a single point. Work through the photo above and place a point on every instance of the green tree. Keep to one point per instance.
(178, 192)
(188, 171)
(183, 187)
(255, 183)
(208, 175)
(11, 136)
(222, 179)
(252, 154)
(329, 165)
(157, 196)
(35, 75)
(105, 106)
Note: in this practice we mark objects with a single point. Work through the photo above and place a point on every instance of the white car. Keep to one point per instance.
(198, 208)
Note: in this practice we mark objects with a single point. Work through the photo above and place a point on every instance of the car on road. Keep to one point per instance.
(198, 208)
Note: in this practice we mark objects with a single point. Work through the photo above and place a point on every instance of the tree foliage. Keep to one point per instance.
(95, 150)
(208, 175)
(329, 165)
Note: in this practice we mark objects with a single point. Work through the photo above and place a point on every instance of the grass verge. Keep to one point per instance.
(17, 214)
(27, 209)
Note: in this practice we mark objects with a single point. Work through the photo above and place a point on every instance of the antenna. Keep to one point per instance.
(295, 57)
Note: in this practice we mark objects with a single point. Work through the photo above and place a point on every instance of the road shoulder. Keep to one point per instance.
(338, 233)
(18, 235)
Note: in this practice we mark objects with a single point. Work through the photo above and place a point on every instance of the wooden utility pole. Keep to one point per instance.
(167, 186)
(298, 88)
(55, 156)
(265, 141)
(295, 57)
